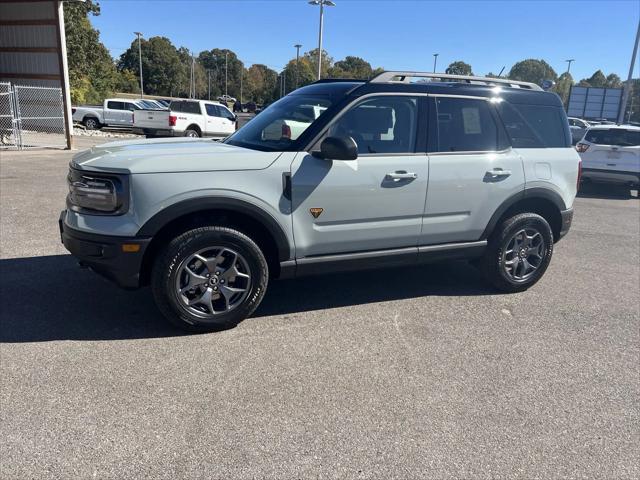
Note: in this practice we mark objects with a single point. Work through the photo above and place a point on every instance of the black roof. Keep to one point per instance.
(340, 88)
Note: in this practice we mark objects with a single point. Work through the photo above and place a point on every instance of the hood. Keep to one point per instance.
(171, 155)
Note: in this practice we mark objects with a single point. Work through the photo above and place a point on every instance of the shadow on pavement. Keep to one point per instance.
(51, 298)
(610, 191)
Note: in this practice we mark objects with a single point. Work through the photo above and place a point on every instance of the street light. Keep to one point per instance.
(140, 58)
(435, 61)
(297, 47)
(569, 61)
(226, 78)
(322, 4)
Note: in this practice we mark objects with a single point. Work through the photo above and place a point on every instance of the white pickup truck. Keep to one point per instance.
(114, 112)
(188, 118)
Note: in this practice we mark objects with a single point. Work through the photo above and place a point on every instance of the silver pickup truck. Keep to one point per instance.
(114, 112)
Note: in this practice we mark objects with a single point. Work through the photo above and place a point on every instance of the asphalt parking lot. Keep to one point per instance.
(401, 373)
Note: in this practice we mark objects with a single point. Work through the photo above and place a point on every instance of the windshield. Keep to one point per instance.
(280, 125)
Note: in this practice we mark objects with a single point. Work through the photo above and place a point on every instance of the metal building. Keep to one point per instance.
(33, 54)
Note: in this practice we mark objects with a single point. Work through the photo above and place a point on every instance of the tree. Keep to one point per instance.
(165, 71)
(613, 81)
(304, 70)
(596, 80)
(327, 61)
(563, 86)
(260, 83)
(532, 70)
(351, 67)
(215, 60)
(92, 74)
(459, 68)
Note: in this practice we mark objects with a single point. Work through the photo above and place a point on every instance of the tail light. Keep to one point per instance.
(579, 174)
(172, 120)
(286, 131)
(582, 147)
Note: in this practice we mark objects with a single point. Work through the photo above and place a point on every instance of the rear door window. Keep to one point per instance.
(614, 136)
(465, 125)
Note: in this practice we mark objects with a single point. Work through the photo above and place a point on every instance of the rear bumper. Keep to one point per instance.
(612, 176)
(567, 219)
(156, 132)
(104, 254)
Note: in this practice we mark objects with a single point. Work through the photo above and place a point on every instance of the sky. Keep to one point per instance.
(394, 34)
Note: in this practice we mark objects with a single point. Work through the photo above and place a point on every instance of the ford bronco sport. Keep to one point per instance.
(406, 168)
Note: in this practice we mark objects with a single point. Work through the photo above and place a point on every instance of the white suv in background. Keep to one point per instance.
(611, 153)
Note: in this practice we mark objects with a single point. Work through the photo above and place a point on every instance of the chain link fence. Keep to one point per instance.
(8, 127)
(31, 117)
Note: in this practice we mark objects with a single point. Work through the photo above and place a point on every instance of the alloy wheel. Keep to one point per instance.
(523, 255)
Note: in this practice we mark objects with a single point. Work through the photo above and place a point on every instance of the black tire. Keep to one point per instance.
(192, 132)
(168, 265)
(91, 123)
(494, 263)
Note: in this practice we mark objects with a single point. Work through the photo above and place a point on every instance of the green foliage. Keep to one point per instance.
(459, 68)
(351, 67)
(563, 86)
(92, 74)
(260, 84)
(215, 60)
(532, 70)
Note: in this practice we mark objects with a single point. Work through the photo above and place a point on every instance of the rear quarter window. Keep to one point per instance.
(534, 126)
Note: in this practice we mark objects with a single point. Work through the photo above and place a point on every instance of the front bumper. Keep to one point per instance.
(567, 218)
(105, 255)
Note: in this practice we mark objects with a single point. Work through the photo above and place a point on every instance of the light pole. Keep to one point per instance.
(297, 46)
(435, 61)
(140, 58)
(569, 62)
(241, 75)
(322, 4)
(226, 77)
(627, 85)
(209, 78)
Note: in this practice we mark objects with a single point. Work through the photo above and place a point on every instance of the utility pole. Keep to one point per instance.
(226, 76)
(322, 4)
(435, 61)
(569, 61)
(627, 86)
(241, 75)
(209, 78)
(297, 47)
(140, 59)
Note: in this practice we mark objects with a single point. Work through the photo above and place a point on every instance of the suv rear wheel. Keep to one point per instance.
(209, 278)
(518, 253)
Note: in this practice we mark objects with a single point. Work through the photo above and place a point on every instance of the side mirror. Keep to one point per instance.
(338, 148)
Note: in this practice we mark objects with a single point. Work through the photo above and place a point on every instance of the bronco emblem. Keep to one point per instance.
(316, 212)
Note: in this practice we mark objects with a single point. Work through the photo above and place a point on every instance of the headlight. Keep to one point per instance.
(98, 194)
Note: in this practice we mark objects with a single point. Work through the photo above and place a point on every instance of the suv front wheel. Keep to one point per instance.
(518, 253)
(209, 278)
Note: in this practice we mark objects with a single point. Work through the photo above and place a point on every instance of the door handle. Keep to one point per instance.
(498, 172)
(401, 175)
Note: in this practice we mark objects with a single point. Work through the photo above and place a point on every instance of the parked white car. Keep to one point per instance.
(578, 128)
(611, 153)
(114, 112)
(227, 98)
(188, 118)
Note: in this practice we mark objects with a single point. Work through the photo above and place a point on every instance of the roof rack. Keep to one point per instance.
(405, 77)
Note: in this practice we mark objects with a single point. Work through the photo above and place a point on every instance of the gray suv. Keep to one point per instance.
(407, 168)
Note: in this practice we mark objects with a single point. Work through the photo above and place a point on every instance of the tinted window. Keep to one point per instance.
(614, 136)
(212, 110)
(131, 106)
(465, 125)
(380, 125)
(115, 105)
(185, 107)
(534, 126)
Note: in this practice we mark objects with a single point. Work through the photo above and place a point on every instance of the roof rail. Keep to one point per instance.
(335, 80)
(405, 77)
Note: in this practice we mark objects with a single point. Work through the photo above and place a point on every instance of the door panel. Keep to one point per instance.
(464, 192)
(363, 208)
